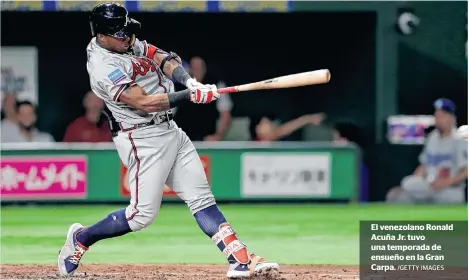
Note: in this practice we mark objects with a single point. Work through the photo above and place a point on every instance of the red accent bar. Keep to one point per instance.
(227, 90)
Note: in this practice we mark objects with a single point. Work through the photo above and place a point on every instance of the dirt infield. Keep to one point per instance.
(172, 272)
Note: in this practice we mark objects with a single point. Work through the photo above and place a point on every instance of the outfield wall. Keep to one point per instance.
(236, 171)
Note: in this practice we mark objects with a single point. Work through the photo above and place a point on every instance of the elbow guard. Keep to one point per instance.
(171, 56)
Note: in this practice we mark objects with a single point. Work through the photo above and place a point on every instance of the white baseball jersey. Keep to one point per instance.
(154, 155)
(111, 73)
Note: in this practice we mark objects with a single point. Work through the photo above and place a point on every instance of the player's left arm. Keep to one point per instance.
(171, 65)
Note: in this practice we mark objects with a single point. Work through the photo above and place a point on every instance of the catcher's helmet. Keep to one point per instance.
(113, 19)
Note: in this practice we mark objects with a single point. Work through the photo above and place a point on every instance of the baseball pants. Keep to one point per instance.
(416, 190)
(157, 155)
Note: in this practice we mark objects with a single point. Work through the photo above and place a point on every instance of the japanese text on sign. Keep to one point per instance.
(23, 177)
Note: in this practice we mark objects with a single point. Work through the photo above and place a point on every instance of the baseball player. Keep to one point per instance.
(134, 79)
(440, 177)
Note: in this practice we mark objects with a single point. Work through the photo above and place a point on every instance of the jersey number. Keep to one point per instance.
(142, 66)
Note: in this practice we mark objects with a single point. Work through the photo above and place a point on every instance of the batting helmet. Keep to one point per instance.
(113, 19)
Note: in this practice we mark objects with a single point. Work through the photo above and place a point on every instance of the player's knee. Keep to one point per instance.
(141, 220)
(148, 219)
(201, 202)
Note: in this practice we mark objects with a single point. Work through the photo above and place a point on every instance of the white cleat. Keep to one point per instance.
(266, 269)
(71, 253)
(257, 267)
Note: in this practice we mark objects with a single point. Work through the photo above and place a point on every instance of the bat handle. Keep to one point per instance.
(227, 90)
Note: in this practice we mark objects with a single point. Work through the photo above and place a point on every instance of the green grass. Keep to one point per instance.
(289, 234)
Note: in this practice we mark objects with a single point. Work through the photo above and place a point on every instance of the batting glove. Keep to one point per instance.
(204, 95)
(193, 84)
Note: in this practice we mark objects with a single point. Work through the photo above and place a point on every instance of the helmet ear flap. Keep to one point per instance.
(132, 40)
(133, 28)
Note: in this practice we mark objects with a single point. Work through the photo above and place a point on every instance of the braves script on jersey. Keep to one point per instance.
(111, 73)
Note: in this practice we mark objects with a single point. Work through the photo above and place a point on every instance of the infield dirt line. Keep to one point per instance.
(173, 272)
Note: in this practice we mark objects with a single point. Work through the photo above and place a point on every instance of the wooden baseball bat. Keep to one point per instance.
(295, 80)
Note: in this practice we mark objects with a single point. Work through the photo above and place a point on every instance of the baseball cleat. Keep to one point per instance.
(72, 252)
(257, 266)
(238, 270)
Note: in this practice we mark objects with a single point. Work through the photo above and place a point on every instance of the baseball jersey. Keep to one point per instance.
(443, 157)
(111, 73)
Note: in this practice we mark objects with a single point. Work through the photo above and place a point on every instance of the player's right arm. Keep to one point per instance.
(115, 80)
(421, 169)
(136, 97)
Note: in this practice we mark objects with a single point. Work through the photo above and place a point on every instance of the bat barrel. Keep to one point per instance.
(294, 80)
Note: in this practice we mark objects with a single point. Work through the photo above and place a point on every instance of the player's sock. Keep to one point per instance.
(214, 225)
(209, 219)
(115, 224)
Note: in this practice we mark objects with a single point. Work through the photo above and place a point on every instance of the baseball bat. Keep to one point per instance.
(294, 80)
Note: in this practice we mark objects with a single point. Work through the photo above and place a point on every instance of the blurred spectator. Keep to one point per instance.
(440, 178)
(263, 129)
(27, 131)
(215, 117)
(90, 127)
(9, 123)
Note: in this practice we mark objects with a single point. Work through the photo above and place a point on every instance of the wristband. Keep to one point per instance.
(179, 97)
(180, 75)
